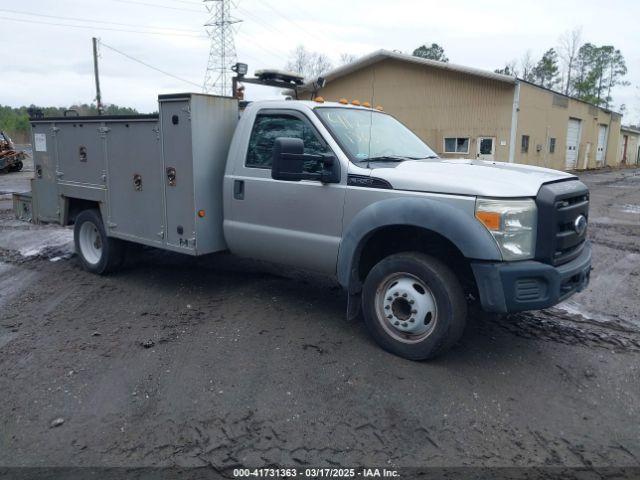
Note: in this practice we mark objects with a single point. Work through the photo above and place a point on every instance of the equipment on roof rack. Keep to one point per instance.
(270, 78)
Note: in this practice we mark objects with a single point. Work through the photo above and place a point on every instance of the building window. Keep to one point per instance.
(552, 145)
(456, 145)
(525, 143)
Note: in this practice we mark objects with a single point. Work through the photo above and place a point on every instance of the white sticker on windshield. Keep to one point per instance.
(40, 139)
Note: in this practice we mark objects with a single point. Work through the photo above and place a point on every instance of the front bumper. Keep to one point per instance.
(529, 285)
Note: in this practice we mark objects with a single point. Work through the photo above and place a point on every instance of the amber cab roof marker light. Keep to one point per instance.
(355, 102)
(319, 100)
(343, 101)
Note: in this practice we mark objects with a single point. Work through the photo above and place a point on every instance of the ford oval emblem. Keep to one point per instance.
(580, 225)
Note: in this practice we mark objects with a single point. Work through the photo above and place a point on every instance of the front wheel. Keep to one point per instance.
(414, 305)
(98, 253)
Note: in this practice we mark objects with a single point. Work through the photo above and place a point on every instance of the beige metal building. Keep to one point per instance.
(471, 113)
(629, 151)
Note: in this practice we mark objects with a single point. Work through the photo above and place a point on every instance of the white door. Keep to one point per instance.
(486, 148)
(602, 144)
(573, 140)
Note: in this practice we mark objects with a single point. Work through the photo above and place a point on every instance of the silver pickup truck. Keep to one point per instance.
(344, 190)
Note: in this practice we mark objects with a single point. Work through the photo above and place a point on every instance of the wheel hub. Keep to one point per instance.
(90, 243)
(406, 305)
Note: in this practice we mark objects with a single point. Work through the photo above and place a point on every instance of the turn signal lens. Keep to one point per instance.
(201, 213)
(491, 220)
(343, 101)
(512, 223)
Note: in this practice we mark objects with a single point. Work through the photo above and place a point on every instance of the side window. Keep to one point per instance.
(268, 127)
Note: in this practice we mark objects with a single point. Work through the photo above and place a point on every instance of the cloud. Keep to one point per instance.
(53, 65)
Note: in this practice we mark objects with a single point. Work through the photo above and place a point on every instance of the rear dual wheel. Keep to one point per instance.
(98, 253)
(414, 306)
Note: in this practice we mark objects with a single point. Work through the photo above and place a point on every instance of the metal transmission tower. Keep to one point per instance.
(222, 54)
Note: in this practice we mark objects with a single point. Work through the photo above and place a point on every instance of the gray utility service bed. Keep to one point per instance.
(151, 174)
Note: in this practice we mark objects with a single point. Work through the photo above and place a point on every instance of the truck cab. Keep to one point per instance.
(410, 236)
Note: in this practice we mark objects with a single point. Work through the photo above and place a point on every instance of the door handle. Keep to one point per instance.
(238, 189)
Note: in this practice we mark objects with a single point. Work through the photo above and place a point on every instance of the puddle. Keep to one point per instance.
(583, 314)
(629, 208)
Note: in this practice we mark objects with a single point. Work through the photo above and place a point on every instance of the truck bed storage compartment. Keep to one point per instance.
(134, 182)
(157, 178)
(196, 133)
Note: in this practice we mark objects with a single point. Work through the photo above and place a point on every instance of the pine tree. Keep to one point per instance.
(434, 52)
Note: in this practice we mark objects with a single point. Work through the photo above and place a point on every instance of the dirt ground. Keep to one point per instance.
(222, 362)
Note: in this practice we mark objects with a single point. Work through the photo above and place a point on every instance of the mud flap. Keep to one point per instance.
(354, 306)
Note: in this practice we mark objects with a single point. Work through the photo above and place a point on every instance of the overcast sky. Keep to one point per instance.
(49, 64)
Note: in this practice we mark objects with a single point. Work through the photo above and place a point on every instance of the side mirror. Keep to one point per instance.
(289, 160)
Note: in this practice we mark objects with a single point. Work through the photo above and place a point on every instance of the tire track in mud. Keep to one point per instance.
(555, 325)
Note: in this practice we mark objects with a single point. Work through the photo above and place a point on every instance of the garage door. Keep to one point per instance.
(602, 145)
(573, 140)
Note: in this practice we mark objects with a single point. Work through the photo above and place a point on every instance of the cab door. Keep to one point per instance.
(290, 222)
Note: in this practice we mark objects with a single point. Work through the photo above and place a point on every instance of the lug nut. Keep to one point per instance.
(411, 302)
(387, 307)
(396, 323)
(414, 311)
(412, 320)
(395, 294)
(405, 324)
(389, 299)
(404, 295)
(389, 316)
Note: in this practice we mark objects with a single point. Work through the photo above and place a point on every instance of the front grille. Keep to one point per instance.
(559, 205)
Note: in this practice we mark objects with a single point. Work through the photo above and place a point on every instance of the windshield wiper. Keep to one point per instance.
(387, 158)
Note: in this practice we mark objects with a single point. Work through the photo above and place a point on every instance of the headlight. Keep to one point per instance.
(512, 223)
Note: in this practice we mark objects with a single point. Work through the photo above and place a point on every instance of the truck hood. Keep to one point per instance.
(469, 177)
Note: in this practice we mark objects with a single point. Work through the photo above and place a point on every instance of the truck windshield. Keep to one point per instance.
(371, 136)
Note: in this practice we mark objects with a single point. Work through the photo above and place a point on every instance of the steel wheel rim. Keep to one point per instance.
(406, 307)
(90, 243)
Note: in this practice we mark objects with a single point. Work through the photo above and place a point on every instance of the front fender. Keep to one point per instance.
(464, 231)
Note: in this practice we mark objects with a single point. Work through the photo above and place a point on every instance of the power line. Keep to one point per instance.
(281, 15)
(263, 48)
(159, 6)
(21, 12)
(148, 65)
(100, 28)
(187, 2)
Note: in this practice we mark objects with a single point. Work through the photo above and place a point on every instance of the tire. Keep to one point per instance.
(414, 306)
(98, 253)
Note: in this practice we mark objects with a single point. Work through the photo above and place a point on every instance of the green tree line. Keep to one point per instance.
(15, 120)
(580, 69)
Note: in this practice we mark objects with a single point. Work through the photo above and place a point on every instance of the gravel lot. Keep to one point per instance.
(222, 362)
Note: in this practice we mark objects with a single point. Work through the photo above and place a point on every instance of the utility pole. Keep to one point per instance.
(222, 54)
(97, 75)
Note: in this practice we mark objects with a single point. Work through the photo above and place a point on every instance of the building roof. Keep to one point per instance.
(380, 55)
(631, 128)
